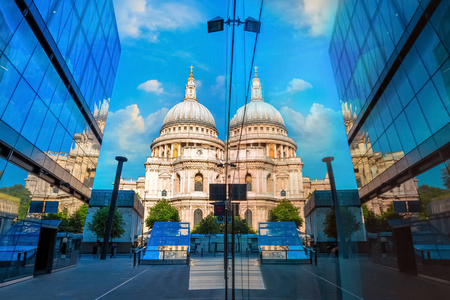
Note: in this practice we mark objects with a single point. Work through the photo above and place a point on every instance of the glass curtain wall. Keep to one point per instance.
(390, 61)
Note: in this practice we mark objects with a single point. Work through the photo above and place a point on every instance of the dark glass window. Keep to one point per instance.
(198, 185)
(198, 216)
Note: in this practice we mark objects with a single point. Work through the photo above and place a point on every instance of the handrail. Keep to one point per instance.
(139, 250)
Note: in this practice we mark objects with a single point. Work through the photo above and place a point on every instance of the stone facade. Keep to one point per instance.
(188, 156)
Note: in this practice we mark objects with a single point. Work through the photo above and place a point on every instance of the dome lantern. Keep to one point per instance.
(189, 111)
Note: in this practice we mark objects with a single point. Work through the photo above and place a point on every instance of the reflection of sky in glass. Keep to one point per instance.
(432, 177)
(12, 175)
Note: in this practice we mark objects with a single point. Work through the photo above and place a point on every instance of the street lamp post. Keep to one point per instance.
(337, 210)
(112, 207)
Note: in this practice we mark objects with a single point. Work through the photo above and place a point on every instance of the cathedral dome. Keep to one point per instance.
(190, 110)
(257, 111)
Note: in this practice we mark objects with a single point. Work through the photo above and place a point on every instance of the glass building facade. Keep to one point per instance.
(391, 63)
(58, 62)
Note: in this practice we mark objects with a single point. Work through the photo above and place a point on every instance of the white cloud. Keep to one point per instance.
(147, 18)
(129, 133)
(316, 132)
(152, 86)
(319, 134)
(297, 85)
(220, 83)
(219, 87)
(316, 16)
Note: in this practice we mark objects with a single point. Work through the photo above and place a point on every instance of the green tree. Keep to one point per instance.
(241, 226)
(208, 225)
(78, 219)
(21, 192)
(348, 221)
(428, 194)
(98, 223)
(285, 211)
(64, 225)
(379, 223)
(370, 219)
(163, 211)
(446, 176)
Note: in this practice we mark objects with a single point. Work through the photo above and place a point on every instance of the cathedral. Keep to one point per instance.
(188, 156)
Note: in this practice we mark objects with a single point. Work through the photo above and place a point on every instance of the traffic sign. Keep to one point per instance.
(219, 209)
(220, 219)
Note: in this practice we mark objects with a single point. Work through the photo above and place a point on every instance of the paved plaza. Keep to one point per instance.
(203, 279)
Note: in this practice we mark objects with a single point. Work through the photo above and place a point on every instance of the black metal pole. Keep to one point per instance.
(225, 253)
(112, 207)
(337, 211)
(232, 253)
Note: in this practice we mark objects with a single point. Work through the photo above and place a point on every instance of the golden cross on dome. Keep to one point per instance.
(191, 69)
(256, 71)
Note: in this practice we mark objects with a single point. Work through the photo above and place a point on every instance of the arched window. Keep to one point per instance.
(164, 193)
(198, 216)
(248, 180)
(271, 152)
(198, 186)
(248, 216)
(175, 152)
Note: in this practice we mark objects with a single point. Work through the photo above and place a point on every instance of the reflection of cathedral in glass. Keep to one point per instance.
(58, 63)
(187, 157)
(396, 106)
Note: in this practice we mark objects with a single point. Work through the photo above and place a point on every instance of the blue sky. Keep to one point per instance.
(161, 39)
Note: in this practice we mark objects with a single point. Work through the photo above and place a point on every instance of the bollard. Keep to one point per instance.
(134, 262)
(315, 258)
(310, 257)
(139, 258)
